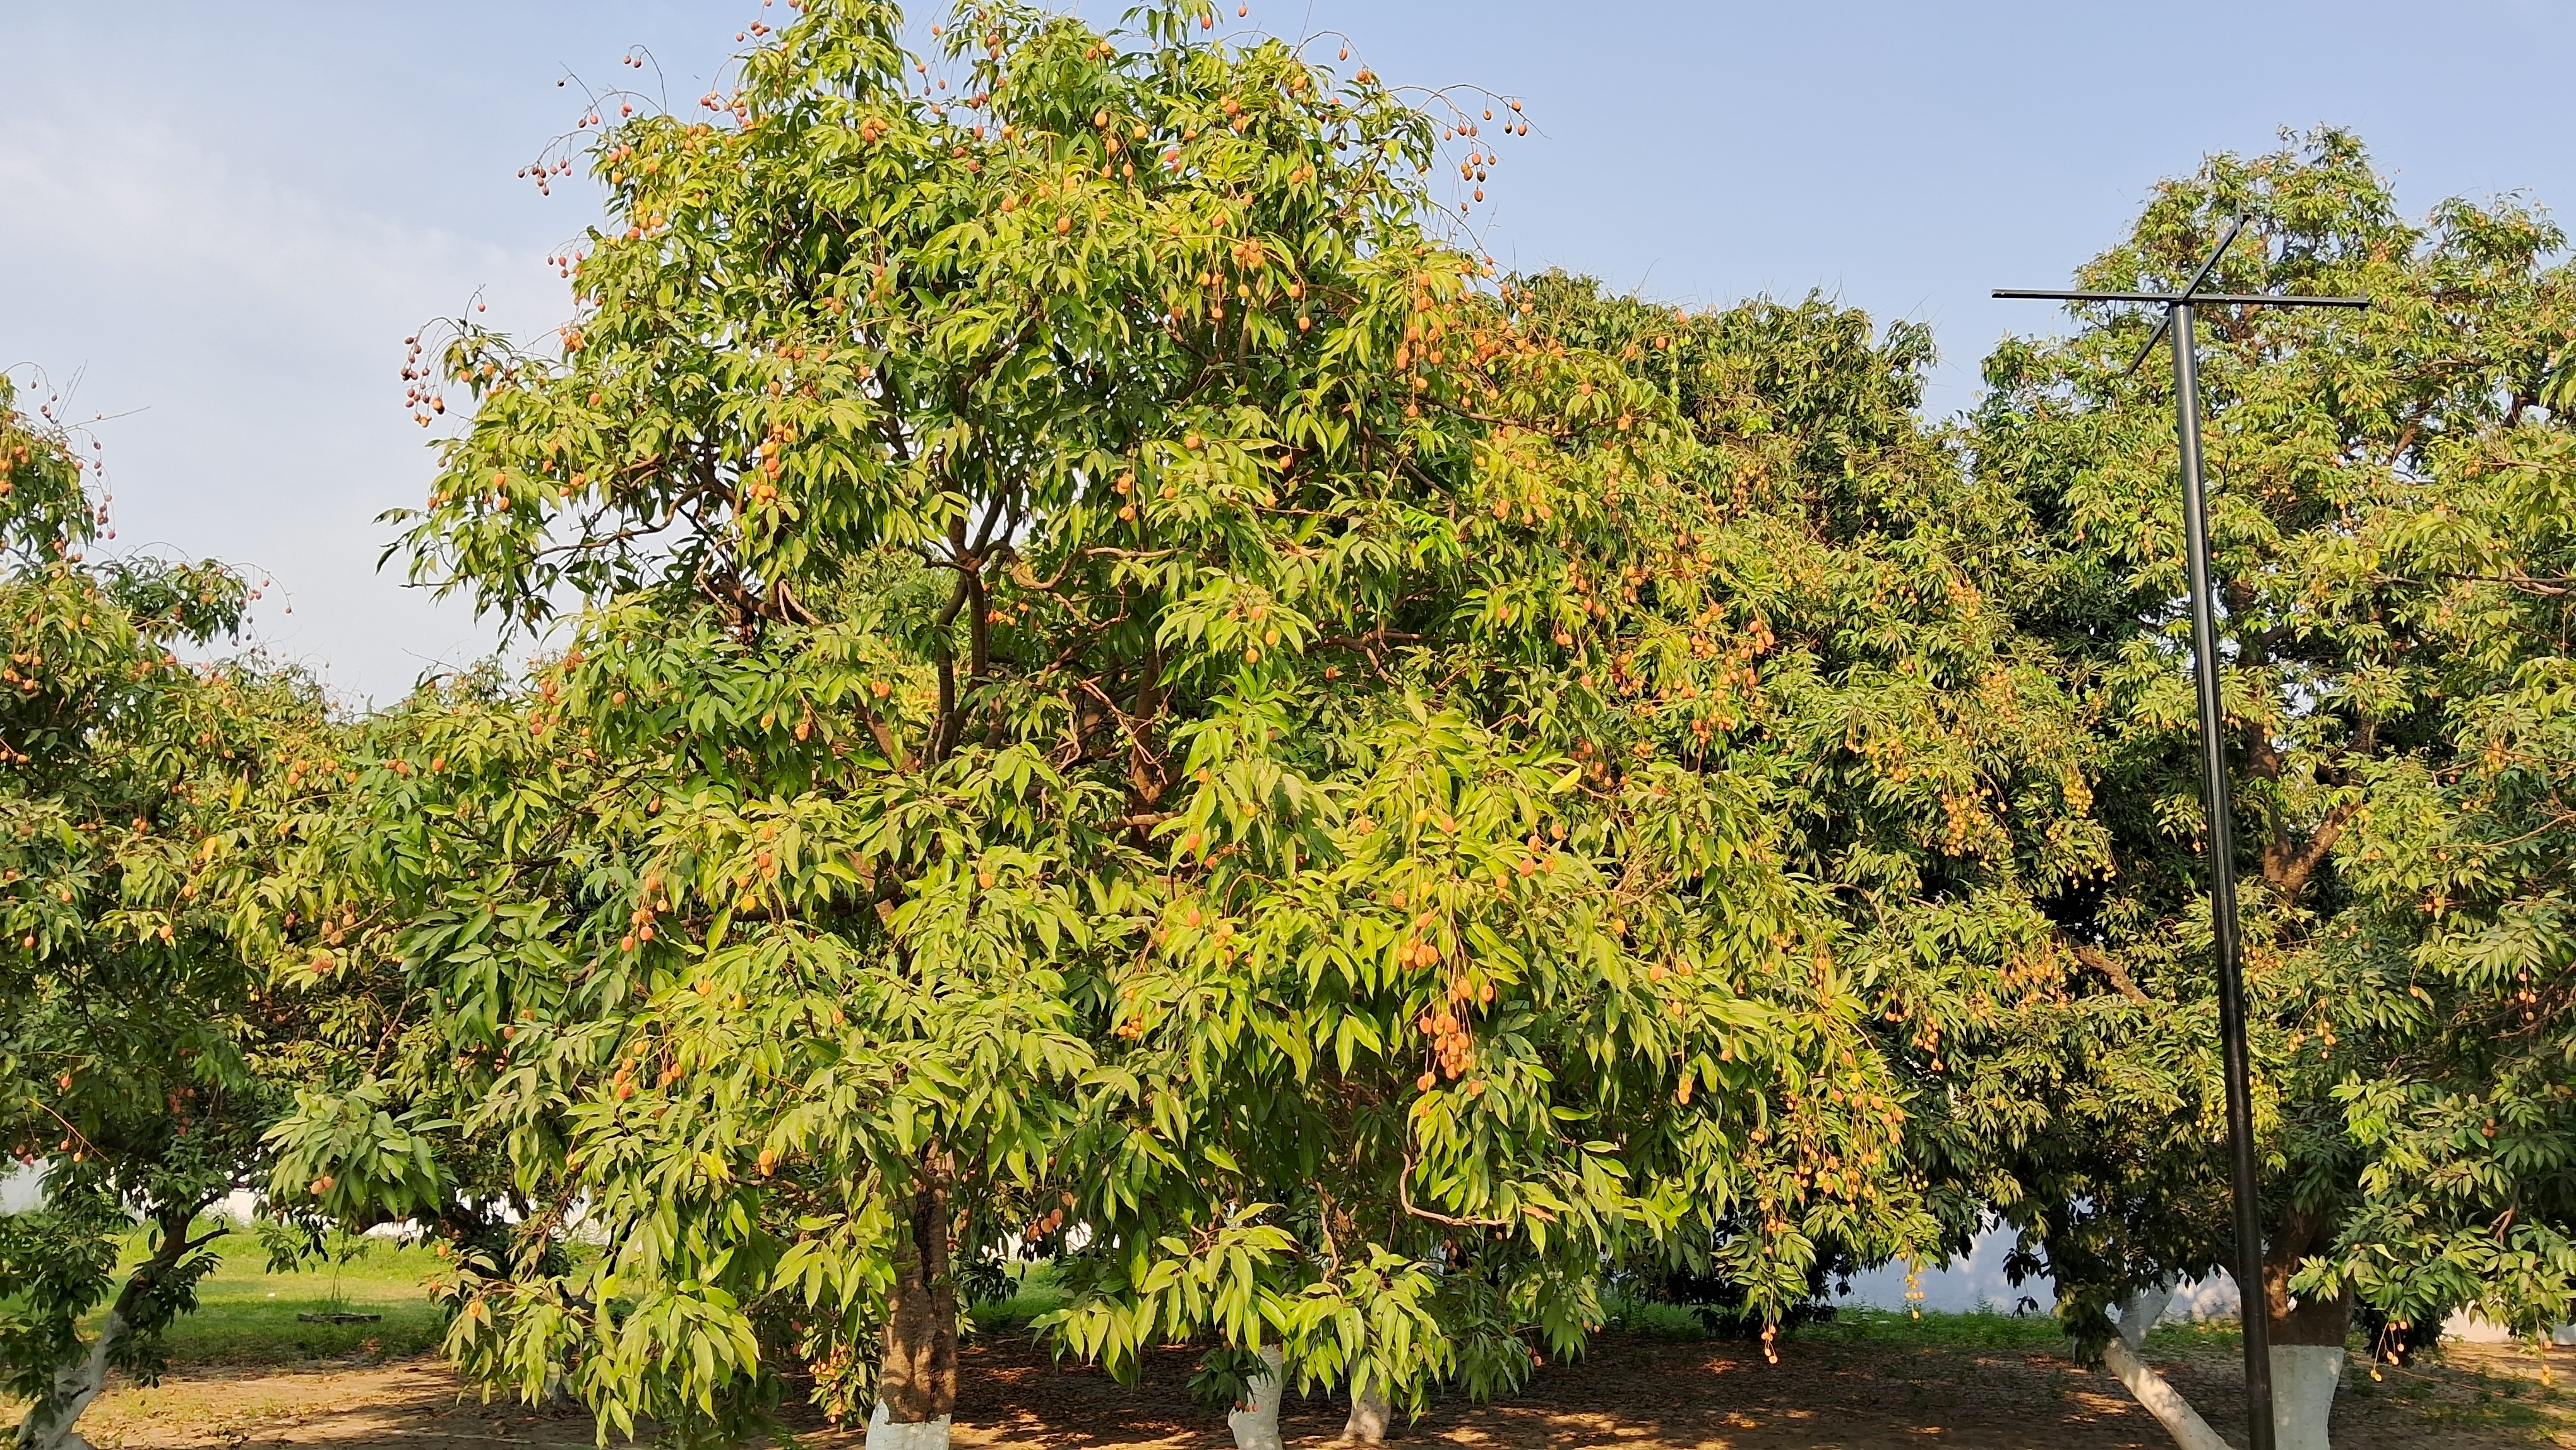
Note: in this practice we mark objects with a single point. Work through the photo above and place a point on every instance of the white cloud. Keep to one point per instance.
(252, 327)
(164, 211)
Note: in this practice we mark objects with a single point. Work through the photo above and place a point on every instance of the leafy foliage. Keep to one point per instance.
(2381, 520)
(1123, 702)
(140, 1055)
(1118, 695)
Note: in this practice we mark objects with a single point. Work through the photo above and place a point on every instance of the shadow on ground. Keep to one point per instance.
(1642, 1394)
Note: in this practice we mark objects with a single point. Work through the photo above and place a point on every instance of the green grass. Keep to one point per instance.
(1992, 1329)
(1649, 1320)
(2478, 1398)
(1897, 1329)
(2216, 1334)
(1937, 1329)
(1038, 1291)
(246, 1315)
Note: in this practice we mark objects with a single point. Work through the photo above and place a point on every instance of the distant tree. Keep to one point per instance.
(1912, 745)
(2391, 566)
(140, 1056)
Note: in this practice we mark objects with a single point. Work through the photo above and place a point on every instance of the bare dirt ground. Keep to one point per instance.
(1633, 1394)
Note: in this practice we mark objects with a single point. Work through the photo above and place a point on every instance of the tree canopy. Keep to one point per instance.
(142, 1055)
(2384, 490)
(1120, 685)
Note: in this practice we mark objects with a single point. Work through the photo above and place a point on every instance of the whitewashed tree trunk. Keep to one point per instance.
(885, 1434)
(2140, 1314)
(2121, 1356)
(917, 1381)
(49, 1421)
(2307, 1337)
(2304, 1377)
(1369, 1412)
(1256, 1425)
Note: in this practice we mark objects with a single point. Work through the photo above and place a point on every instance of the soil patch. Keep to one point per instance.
(1637, 1394)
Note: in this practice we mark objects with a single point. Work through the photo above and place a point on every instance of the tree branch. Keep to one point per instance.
(1404, 1200)
(2286, 870)
(2109, 966)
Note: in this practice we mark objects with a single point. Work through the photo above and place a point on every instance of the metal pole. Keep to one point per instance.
(2222, 893)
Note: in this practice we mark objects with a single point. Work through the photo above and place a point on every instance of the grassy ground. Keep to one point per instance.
(247, 1315)
(1982, 1330)
(1037, 1293)
(1864, 1381)
(244, 1368)
(2496, 1391)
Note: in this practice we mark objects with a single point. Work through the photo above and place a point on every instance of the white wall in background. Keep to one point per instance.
(1978, 1282)
(2470, 1329)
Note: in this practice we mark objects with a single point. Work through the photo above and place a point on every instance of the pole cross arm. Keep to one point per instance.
(2167, 299)
(2189, 296)
(2171, 300)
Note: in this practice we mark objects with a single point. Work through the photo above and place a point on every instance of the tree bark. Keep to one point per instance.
(1369, 1414)
(2121, 1356)
(1256, 1424)
(917, 1386)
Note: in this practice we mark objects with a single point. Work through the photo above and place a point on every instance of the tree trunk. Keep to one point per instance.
(1369, 1413)
(2122, 1357)
(79, 1379)
(2307, 1357)
(2307, 1342)
(917, 1387)
(1256, 1424)
(2304, 1378)
(2140, 1314)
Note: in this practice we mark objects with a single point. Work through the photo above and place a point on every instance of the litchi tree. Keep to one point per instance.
(141, 1056)
(2390, 566)
(1116, 690)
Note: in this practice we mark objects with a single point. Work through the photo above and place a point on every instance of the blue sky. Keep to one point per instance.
(222, 219)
